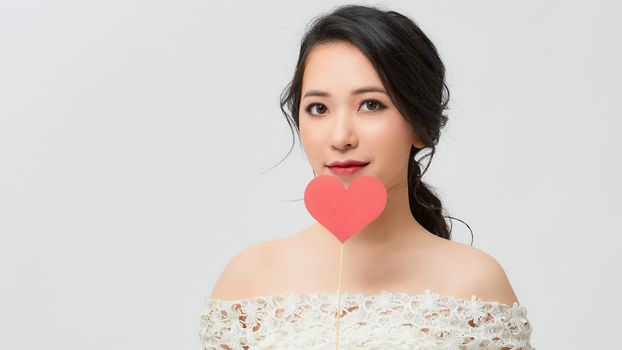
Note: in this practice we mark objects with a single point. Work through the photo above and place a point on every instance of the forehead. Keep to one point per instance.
(338, 66)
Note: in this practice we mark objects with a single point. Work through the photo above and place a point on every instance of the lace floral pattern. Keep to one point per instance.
(382, 321)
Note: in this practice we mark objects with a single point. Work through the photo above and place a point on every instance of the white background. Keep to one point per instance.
(135, 139)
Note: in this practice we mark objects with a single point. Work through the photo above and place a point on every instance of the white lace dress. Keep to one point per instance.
(388, 320)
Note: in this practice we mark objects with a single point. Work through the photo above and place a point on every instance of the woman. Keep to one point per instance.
(369, 87)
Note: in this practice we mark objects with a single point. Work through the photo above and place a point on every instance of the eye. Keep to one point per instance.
(371, 102)
(310, 107)
(375, 105)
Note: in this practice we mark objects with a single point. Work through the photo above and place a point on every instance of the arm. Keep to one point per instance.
(222, 322)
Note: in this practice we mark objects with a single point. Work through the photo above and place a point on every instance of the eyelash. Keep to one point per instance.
(380, 107)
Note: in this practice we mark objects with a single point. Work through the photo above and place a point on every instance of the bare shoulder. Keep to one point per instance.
(238, 278)
(258, 269)
(478, 273)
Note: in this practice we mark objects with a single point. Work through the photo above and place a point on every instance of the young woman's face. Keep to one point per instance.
(342, 124)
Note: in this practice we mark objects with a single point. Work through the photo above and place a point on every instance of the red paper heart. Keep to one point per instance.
(343, 211)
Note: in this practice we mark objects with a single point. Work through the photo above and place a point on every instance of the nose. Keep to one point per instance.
(343, 135)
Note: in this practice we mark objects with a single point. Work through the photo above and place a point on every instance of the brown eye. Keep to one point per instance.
(376, 105)
(321, 108)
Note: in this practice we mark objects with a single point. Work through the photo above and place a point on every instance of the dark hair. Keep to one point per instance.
(411, 70)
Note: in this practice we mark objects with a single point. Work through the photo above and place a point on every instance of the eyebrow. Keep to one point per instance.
(354, 92)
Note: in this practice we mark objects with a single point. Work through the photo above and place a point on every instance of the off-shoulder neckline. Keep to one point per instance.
(361, 295)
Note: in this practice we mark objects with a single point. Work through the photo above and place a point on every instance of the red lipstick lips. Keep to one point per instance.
(347, 163)
(346, 167)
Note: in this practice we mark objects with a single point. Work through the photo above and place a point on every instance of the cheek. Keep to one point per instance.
(390, 144)
(310, 139)
(393, 137)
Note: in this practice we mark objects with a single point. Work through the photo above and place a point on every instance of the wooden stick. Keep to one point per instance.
(339, 295)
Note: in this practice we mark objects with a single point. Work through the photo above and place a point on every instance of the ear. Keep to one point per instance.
(417, 142)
